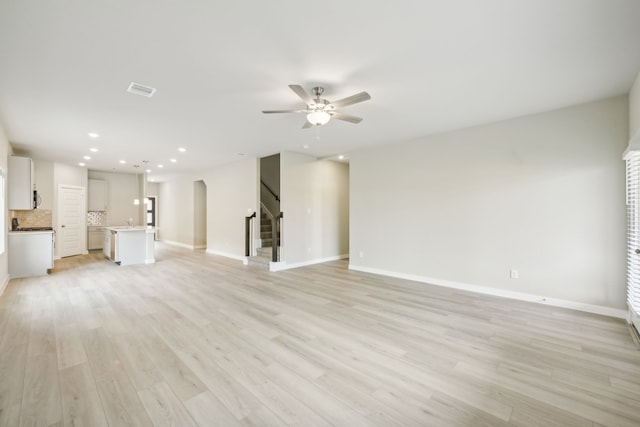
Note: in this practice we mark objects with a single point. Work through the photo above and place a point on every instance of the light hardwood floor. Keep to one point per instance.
(199, 340)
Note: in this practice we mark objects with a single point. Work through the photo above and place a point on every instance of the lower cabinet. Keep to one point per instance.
(95, 238)
(30, 253)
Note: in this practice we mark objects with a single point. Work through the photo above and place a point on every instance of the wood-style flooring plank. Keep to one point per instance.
(164, 407)
(81, 405)
(41, 396)
(196, 339)
(120, 402)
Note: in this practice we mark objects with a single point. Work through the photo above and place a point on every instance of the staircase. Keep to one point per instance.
(264, 254)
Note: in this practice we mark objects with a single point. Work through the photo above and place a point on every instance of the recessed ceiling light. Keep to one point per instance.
(160, 166)
(148, 171)
(151, 179)
(122, 162)
(81, 164)
(341, 157)
(86, 157)
(182, 150)
(93, 135)
(305, 146)
(173, 160)
(93, 150)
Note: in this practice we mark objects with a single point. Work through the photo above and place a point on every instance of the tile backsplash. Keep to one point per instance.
(33, 218)
(96, 218)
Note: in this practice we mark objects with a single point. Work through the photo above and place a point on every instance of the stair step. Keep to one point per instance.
(264, 252)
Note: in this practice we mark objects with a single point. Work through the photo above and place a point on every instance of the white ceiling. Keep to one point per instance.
(430, 66)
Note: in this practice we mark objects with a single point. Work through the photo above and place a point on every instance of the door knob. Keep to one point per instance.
(63, 226)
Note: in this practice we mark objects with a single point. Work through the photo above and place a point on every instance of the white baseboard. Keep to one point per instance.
(173, 243)
(283, 265)
(228, 255)
(521, 296)
(4, 283)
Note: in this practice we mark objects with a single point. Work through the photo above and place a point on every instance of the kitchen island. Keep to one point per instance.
(127, 245)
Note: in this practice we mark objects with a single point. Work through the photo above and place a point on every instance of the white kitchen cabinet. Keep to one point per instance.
(106, 243)
(30, 253)
(95, 238)
(21, 183)
(97, 195)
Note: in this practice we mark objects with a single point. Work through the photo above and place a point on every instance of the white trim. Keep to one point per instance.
(228, 255)
(4, 284)
(181, 245)
(521, 296)
(283, 265)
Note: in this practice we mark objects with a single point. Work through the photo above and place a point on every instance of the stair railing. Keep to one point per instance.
(248, 233)
(276, 226)
(273, 193)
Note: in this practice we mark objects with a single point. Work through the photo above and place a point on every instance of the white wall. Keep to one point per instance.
(122, 189)
(314, 200)
(5, 152)
(153, 189)
(634, 111)
(232, 194)
(542, 194)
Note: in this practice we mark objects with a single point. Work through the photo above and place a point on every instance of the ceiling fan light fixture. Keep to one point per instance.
(318, 118)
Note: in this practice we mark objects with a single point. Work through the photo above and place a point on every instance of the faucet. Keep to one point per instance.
(131, 223)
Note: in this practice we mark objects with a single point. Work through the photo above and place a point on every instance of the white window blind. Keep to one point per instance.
(633, 235)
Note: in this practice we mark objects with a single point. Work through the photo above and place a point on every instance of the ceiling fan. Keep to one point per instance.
(319, 111)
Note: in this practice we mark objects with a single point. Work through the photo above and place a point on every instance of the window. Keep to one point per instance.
(633, 236)
(151, 211)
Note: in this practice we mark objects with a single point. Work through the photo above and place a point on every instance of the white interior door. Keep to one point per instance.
(71, 221)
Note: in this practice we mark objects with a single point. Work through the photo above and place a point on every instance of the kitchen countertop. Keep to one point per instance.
(31, 232)
(126, 228)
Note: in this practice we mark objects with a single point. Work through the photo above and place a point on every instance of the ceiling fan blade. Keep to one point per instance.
(346, 117)
(299, 90)
(282, 111)
(353, 99)
(306, 125)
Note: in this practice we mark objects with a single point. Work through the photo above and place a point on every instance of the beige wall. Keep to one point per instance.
(232, 194)
(199, 214)
(314, 200)
(175, 210)
(542, 194)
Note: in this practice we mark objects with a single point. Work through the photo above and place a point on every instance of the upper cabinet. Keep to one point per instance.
(21, 183)
(97, 195)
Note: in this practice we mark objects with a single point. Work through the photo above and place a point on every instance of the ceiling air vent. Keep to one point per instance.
(142, 90)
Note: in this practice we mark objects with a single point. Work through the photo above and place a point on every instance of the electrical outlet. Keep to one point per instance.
(513, 273)
(361, 254)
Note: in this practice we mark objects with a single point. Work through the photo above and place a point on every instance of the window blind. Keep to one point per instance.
(633, 235)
